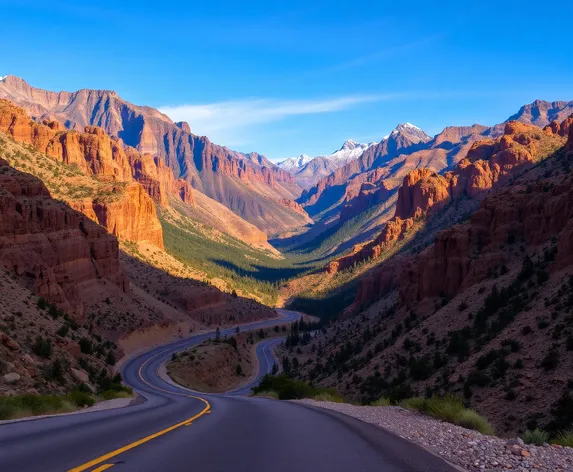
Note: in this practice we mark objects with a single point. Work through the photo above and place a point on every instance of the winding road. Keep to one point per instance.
(176, 429)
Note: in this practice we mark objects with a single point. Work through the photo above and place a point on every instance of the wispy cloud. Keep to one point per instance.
(234, 122)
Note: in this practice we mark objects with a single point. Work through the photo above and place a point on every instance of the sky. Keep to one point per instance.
(284, 78)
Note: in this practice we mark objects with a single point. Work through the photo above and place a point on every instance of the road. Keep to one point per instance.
(179, 430)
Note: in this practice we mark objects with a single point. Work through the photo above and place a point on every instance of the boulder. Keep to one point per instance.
(9, 342)
(12, 377)
(80, 376)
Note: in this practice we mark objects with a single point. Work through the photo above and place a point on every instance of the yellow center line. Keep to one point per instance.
(103, 467)
(141, 441)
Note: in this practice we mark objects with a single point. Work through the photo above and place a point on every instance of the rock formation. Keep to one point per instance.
(488, 164)
(248, 184)
(50, 247)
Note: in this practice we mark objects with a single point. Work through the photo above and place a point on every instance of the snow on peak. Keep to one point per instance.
(295, 162)
(411, 131)
(2, 78)
(349, 151)
(350, 144)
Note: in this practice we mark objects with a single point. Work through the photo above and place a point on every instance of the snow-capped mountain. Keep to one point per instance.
(412, 131)
(293, 163)
(308, 170)
(350, 150)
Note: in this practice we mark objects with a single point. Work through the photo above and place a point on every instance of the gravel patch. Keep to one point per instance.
(466, 448)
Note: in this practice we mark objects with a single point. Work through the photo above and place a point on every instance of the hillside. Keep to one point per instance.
(368, 184)
(70, 293)
(125, 191)
(482, 312)
(248, 184)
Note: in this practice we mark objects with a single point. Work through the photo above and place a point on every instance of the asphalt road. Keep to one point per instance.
(179, 430)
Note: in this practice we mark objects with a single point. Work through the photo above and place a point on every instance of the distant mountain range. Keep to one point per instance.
(309, 170)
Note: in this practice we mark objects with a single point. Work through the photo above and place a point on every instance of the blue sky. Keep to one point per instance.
(287, 77)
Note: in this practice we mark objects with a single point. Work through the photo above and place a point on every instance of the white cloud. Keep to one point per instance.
(229, 122)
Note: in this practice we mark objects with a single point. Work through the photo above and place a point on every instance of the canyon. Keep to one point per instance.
(247, 184)
(477, 308)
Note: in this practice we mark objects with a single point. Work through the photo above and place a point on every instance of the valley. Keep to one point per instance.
(434, 267)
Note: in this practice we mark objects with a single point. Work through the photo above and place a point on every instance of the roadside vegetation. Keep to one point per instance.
(448, 408)
(21, 406)
(286, 388)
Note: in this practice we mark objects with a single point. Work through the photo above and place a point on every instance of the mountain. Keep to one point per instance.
(541, 113)
(362, 194)
(349, 151)
(248, 184)
(136, 198)
(74, 302)
(293, 164)
(470, 292)
(308, 171)
(405, 138)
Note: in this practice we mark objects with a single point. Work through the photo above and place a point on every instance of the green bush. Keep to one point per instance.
(451, 409)
(415, 404)
(328, 397)
(111, 394)
(537, 437)
(290, 389)
(564, 438)
(268, 393)
(19, 406)
(381, 402)
(472, 420)
(81, 399)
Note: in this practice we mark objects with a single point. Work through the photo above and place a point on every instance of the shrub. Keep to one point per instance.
(268, 393)
(551, 360)
(328, 397)
(81, 399)
(290, 389)
(42, 347)
(63, 331)
(451, 409)
(564, 438)
(381, 402)
(536, 436)
(415, 403)
(472, 420)
(110, 359)
(86, 346)
(111, 394)
(18, 406)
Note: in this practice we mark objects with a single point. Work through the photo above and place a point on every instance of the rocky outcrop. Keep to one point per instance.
(158, 181)
(132, 217)
(533, 217)
(292, 205)
(369, 195)
(421, 190)
(50, 247)
(94, 153)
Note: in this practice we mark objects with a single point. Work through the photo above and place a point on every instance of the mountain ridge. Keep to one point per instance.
(248, 184)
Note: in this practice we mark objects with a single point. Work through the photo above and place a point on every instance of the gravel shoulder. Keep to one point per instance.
(466, 448)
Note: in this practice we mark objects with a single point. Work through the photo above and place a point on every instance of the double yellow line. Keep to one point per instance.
(187, 422)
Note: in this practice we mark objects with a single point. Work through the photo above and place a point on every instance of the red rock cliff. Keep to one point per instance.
(49, 246)
(488, 164)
